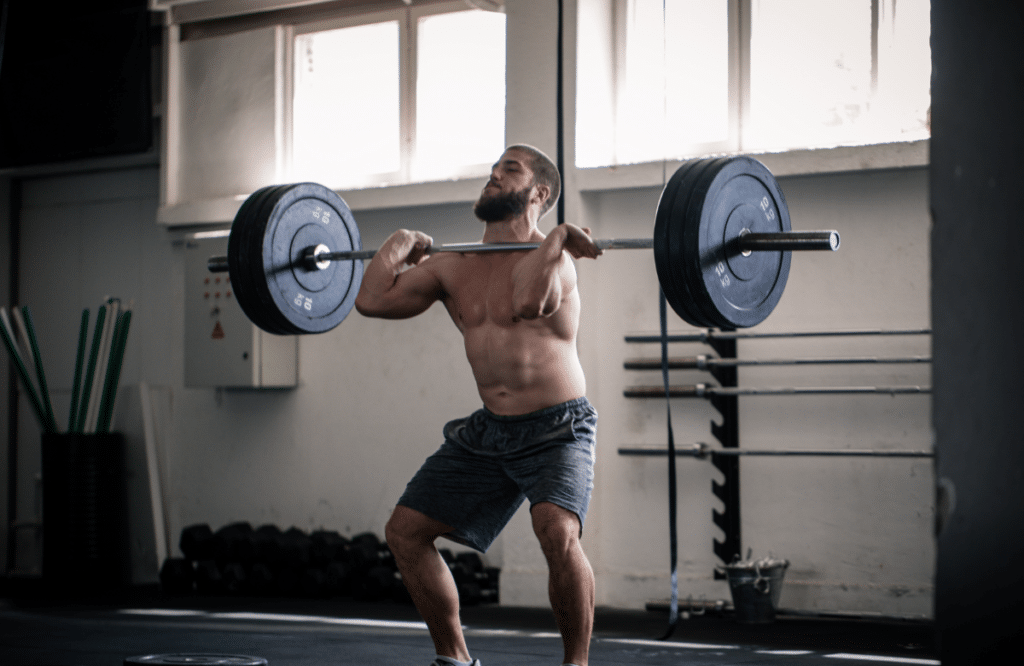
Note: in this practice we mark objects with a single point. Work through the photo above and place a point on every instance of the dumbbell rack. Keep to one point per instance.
(727, 433)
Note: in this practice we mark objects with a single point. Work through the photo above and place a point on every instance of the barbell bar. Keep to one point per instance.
(722, 243)
(318, 258)
(703, 451)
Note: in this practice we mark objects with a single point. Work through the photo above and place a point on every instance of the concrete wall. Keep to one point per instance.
(336, 451)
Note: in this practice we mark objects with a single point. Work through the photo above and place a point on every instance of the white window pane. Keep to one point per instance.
(673, 92)
(810, 72)
(903, 97)
(460, 92)
(595, 93)
(346, 104)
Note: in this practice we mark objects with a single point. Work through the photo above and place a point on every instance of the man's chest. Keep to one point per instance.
(479, 290)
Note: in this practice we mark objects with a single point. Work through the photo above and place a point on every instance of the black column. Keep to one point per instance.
(977, 195)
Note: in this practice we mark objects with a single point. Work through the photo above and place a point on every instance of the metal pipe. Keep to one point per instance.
(703, 391)
(703, 362)
(703, 451)
(711, 334)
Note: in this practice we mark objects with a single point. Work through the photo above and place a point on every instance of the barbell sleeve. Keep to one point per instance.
(788, 241)
(753, 242)
(217, 265)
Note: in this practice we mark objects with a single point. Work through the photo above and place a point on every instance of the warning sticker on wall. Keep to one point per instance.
(218, 332)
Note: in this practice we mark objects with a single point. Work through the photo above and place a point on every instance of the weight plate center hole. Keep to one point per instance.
(744, 264)
(744, 232)
(307, 242)
(315, 264)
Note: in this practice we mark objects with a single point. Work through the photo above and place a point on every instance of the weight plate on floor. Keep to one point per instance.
(193, 659)
(734, 196)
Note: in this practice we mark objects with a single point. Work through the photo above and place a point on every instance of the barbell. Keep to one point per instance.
(722, 243)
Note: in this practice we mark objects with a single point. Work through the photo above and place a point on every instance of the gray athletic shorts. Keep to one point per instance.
(490, 463)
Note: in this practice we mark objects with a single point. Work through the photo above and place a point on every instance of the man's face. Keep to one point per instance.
(508, 190)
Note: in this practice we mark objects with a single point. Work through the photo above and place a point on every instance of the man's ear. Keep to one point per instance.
(541, 192)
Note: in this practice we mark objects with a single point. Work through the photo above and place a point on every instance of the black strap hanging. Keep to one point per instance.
(673, 612)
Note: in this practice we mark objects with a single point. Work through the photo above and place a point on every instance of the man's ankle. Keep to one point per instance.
(442, 660)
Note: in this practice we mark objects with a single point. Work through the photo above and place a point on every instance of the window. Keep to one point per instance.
(396, 97)
(686, 78)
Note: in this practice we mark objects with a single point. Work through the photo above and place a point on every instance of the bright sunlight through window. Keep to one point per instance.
(346, 103)
(460, 93)
(808, 74)
(358, 120)
(821, 76)
(675, 88)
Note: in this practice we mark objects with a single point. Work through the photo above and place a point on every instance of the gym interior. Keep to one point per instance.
(886, 475)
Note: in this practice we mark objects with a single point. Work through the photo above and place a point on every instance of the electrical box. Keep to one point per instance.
(222, 347)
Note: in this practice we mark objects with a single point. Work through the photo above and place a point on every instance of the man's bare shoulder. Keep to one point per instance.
(446, 267)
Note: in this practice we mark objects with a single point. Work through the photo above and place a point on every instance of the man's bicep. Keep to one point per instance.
(414, 291)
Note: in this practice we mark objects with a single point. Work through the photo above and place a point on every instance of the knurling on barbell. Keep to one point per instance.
(722, 243)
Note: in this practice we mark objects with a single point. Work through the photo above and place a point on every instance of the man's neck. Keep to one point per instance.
(519, 229)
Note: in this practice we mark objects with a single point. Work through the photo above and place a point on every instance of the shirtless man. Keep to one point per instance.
(534, 438)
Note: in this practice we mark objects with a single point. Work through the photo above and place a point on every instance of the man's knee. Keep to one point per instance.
(557, 529)
(409, 528)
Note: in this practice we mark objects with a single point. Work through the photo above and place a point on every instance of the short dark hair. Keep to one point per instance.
(544, 173)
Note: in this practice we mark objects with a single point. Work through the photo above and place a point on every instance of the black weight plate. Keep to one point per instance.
(303, 216)
(240, 255)
(733, 290)
(682, 232)
(244, 258)
(686, 232)
(271, 319)
(665, 262)
(194, 659)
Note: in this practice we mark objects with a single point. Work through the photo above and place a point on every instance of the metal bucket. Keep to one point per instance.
(756, 586)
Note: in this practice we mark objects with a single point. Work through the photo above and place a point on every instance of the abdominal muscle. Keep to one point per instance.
(520, 365)
(523, 368)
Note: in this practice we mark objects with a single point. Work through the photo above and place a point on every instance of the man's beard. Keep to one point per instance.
(501, 207)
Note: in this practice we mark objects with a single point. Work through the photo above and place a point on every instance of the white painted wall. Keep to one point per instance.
(336, 451)
(857, 531)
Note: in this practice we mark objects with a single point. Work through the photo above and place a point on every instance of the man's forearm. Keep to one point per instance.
(537, 282)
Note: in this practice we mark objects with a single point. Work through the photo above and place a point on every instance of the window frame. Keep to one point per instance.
(740, 18)
(408, 21)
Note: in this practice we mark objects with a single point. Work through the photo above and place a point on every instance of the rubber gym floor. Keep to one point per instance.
(37, 630)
